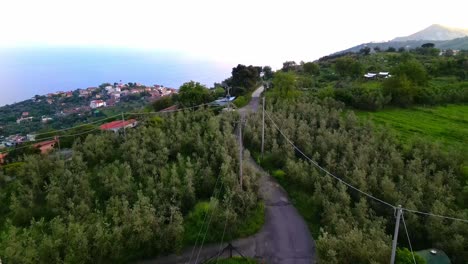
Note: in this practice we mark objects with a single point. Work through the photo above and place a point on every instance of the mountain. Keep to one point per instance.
(435, 32)
(443, 38)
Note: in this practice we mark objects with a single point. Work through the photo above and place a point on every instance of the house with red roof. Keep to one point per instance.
(115, 126)
(170, 109)
(2, 157)
(46, 146)
(97, 104)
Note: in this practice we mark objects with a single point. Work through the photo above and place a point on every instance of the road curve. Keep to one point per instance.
(284, 238)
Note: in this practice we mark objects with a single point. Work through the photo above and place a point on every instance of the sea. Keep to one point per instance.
(25, 72)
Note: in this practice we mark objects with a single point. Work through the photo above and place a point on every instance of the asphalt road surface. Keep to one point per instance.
(285, 237)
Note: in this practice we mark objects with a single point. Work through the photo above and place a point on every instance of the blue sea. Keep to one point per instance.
(25, 72)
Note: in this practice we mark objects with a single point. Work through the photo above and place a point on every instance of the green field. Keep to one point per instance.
(445, 124)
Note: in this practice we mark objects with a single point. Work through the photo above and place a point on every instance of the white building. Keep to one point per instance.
(97, 104)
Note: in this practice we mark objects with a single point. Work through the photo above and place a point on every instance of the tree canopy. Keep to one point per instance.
(349, 227)
(121, 198)
(193, 93)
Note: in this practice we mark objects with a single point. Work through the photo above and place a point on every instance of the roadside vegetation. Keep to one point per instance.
(406, 144)
(422, 177)
(125, 197)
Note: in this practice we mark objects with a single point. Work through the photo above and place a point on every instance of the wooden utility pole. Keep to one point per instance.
(395, 235)
(263, 125)
(240, 151)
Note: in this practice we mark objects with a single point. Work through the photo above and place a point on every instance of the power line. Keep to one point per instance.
(407, 235)
(436, 215)
(204, 220)
(50, 138)
(209, 222)
(168, 111)
(355, 188)
(90, 123)
(224, 231)
(94, 122)
(323, 169)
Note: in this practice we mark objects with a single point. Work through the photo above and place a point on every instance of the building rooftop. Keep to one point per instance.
(118, 124)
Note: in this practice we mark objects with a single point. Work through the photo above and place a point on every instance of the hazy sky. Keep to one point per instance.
(241, 31)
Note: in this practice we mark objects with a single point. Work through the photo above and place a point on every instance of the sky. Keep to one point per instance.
(242, 31)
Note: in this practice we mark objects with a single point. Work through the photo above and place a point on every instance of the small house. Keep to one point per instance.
(97, 104)
(115, 126)
(2, 157)
(46, 146)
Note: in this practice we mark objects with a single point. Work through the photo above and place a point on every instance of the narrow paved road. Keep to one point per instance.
(285, 237)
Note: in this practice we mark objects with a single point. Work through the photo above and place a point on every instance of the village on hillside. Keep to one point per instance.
(73, 104)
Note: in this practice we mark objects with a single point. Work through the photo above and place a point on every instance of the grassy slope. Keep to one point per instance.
(445, 124)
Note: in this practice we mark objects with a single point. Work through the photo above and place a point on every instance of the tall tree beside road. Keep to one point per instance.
(284, 84)
(244, 78)
(193, 93)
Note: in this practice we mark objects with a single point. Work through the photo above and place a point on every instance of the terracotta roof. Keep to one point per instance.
(117, 124)
(43, 143)
(170, 108)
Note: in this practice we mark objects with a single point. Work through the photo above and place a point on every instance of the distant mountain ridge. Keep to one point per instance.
(443, 38)
(435, 32)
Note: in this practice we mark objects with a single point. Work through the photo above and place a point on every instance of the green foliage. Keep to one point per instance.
(404, 256)
(447, 125)
(348, 66)
(326, 92)
(311, 68)
(284, 85)
(400, 90)
(219, 92)
(193, 93)
(118, 199)
(238, 227)
(421, 176)
(413, 70)
(278, 174)
(267, 73)
(289, 66)
(162, 103)
(12, 169)
(244, 79)
(243, 100)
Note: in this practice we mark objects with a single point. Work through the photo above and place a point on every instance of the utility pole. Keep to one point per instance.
(58, 141)
(395, 235)
(228, 97)
(263, 125)
(240, 151)
(123, 123)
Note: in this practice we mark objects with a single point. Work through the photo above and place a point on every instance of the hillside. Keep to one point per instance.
(435, 32)
(400, 139)
(443, 38)
(455, 44)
